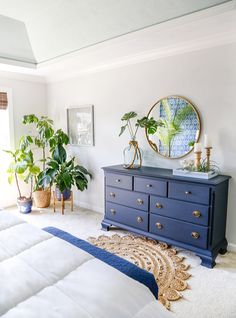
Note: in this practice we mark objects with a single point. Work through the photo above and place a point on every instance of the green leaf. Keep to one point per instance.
(122, 130)
(29, 119)
(129, 115)
(67, 178)
(59, 154)
(9, 152)
(53, 164)
(35, 170)
(83, 170)
(10, 178)
(21, 167)
(81, 184)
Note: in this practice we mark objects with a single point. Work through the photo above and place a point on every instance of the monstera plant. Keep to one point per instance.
(64, 174)
(133, 153)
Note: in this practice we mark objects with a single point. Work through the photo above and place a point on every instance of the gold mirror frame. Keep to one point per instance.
(198, 118)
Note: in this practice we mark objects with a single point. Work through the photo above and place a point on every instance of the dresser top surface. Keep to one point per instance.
(163, 173)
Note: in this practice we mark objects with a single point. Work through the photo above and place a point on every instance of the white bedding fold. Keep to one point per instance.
(44, 276)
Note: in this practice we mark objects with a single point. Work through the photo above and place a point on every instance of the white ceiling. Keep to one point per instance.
(59, 27)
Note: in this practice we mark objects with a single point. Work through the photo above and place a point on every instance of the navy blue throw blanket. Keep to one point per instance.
(115, 261)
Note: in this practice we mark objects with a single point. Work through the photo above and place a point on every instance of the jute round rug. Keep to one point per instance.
(158, 258)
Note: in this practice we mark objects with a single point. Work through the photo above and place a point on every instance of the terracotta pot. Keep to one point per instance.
(42, 198)
(24, 204)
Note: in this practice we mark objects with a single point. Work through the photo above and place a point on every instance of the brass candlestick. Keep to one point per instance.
(208, 154)
(197, 160)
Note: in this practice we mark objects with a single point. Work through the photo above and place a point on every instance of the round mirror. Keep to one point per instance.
(177, 127)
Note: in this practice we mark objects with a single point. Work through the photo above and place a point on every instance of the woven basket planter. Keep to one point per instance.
(42, 198)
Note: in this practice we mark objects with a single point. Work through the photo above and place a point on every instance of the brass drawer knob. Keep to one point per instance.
(118, 180)
(188, 192)
(113, 211)
(159, 225)
(112, 194)
(195, 235)
(197, 214)
(139, 219)
(159, 205)
(149, 185)
(140, 201)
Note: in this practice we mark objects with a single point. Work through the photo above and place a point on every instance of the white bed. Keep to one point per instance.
(44, 276)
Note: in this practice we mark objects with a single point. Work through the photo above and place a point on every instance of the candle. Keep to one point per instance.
(207, 142)
(197, 147)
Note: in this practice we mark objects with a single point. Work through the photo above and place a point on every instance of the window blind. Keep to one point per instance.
(3, 100)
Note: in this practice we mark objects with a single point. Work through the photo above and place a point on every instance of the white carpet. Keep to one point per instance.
(211, 293)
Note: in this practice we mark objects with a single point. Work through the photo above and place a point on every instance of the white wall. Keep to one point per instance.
(27, 97)
(206, 77)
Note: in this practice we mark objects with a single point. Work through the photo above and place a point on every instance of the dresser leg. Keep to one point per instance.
(105, 226)
(223, 251)
(208, 261)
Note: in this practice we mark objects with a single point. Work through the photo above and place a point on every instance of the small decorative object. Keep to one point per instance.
(80, 125)
(132, 153)
(177, 128)
(198, 168)
(198, 154)
(208, 148)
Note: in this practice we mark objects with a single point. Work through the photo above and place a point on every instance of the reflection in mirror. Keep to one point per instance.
(178, 127)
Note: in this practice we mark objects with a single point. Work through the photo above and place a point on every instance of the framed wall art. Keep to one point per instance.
(80, 125)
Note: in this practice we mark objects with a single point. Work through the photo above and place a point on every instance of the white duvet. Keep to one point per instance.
(44, 276)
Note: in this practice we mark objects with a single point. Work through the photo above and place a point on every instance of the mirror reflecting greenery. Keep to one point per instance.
(177, 127)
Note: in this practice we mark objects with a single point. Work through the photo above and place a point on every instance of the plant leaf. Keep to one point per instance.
(129, 115)
(59, 154)
(122, 129)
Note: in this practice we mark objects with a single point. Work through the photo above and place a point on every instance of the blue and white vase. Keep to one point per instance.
(24, 205)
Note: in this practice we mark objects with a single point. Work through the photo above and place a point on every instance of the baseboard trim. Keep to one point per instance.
(232, 247)
(88, 206)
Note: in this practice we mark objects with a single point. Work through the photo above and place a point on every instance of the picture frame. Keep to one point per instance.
(80, 125)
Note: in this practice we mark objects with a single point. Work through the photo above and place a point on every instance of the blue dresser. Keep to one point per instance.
(185, 212)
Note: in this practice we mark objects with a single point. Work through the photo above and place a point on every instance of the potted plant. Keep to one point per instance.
(64, 174)
(22, 167)
(132, 153)
(45, 139)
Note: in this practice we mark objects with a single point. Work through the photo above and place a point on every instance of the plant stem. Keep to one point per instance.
(31, 187)
(131, 130)
(44, 158)
(136, 130)
(17, 184)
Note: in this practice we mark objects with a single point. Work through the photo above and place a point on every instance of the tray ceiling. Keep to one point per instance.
(57, 27)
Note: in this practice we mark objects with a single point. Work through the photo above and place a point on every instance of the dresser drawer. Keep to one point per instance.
(132, 199)
(119, 181)
(190, 212)
(151, 186)
(127, 216)
(189, 192)
(178, 230)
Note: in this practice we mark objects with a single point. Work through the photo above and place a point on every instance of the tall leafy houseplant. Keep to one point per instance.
(132, 153)
(169, 125)
(45, 140)
(22, 167)
(64, 174)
